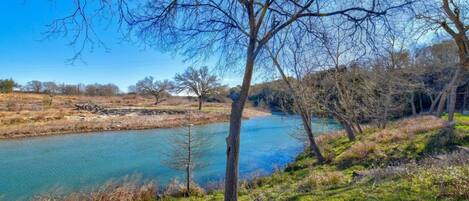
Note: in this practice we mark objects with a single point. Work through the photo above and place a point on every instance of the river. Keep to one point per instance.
(74, 162)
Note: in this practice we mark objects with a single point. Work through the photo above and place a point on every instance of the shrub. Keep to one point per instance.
(358, 153)
(390, 136)
(322, 180)
(178, 189)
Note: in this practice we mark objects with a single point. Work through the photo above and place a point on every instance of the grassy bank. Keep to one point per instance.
(30, 115)
(412, 159)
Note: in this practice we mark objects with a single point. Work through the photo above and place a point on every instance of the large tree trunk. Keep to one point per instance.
(233, 139)
(453, 86)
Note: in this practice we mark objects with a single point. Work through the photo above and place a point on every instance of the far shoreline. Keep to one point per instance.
(205, 118)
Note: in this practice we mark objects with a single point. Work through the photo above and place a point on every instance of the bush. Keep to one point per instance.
(178, 189)
(358, 153)
(322, 180)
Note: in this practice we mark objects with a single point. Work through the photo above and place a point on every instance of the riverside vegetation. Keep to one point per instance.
(415, 158)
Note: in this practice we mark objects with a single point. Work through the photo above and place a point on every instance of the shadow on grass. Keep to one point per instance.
(444, 141)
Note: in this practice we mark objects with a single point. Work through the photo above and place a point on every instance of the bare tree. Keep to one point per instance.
(294, 61)
(203, 28)
(157, 89)
(452, 17)
(50, 88)
(343, 100)
(101, 89)
(34, 86)
(199, 82)
(186, 150)
(435, 64)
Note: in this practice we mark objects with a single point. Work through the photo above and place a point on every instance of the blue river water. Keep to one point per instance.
(74, 162)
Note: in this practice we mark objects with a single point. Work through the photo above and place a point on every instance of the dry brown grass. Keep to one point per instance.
(407, 129)
(321, 179)
(27, 116)
(325, 139)
(376, 146)
(129, 191)
(178, 189)
(35, 102)
(420, 124)
(102, 123)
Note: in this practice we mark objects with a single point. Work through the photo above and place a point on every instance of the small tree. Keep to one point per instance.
(186, 150)
(50, 88)
(199, 82)
(155, 88)
(7, 85)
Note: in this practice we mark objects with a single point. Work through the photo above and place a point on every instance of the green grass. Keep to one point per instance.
(305, 179)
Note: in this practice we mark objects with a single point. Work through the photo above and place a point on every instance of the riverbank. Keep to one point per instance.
(27, 115)
(412, 159)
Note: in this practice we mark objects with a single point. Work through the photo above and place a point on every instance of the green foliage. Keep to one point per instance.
(7, 85)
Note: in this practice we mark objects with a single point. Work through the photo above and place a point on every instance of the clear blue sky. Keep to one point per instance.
(25, 55)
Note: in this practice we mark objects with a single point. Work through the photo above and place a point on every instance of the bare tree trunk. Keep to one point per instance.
(305, 116)
(412, 104)
(453, 86)
(386, 111)
(461, 109)
(354, 128)
(157, 100)
(348, 127)
(420, 103)
(189, 162)
(360, 130)
(348, 130)
(442, 103)
(309, 131)
(452, 104)
(200, 103)
(233, 139)
(434, 102)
